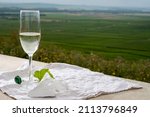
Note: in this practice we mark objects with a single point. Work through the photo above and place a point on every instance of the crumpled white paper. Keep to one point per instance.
(71, 82)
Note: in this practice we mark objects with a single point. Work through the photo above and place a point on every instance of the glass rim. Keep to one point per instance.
(29, 11)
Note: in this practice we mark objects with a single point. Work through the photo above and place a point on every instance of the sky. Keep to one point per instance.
(128, 3)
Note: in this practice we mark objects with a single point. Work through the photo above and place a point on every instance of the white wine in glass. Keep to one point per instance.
(30, 33)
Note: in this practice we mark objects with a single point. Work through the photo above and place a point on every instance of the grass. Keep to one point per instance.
(115, 44)
(111, 35)
(129, 38)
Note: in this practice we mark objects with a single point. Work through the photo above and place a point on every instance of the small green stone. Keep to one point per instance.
(18, 80)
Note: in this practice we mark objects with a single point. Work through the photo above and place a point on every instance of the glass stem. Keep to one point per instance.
(30, 67)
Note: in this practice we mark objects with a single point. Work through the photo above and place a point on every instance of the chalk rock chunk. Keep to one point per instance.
(45, 88)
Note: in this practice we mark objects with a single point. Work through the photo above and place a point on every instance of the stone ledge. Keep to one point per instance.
(9, 63)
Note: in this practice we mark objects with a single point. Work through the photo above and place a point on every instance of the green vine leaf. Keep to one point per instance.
(39, 74)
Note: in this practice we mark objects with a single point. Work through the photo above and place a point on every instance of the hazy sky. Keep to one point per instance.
(130, 3)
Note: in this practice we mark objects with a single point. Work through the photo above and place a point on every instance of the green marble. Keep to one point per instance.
(18, 80)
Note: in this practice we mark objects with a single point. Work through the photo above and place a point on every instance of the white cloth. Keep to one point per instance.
(78, 83)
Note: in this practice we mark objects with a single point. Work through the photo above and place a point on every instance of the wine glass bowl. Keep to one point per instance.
(30, 33)
(30, 42)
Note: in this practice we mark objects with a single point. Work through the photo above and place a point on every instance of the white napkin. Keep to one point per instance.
(71, 82)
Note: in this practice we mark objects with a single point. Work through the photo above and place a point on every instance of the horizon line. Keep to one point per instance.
(74, 4)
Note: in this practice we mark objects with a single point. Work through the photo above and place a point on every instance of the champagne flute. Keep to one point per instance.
(30, 33)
